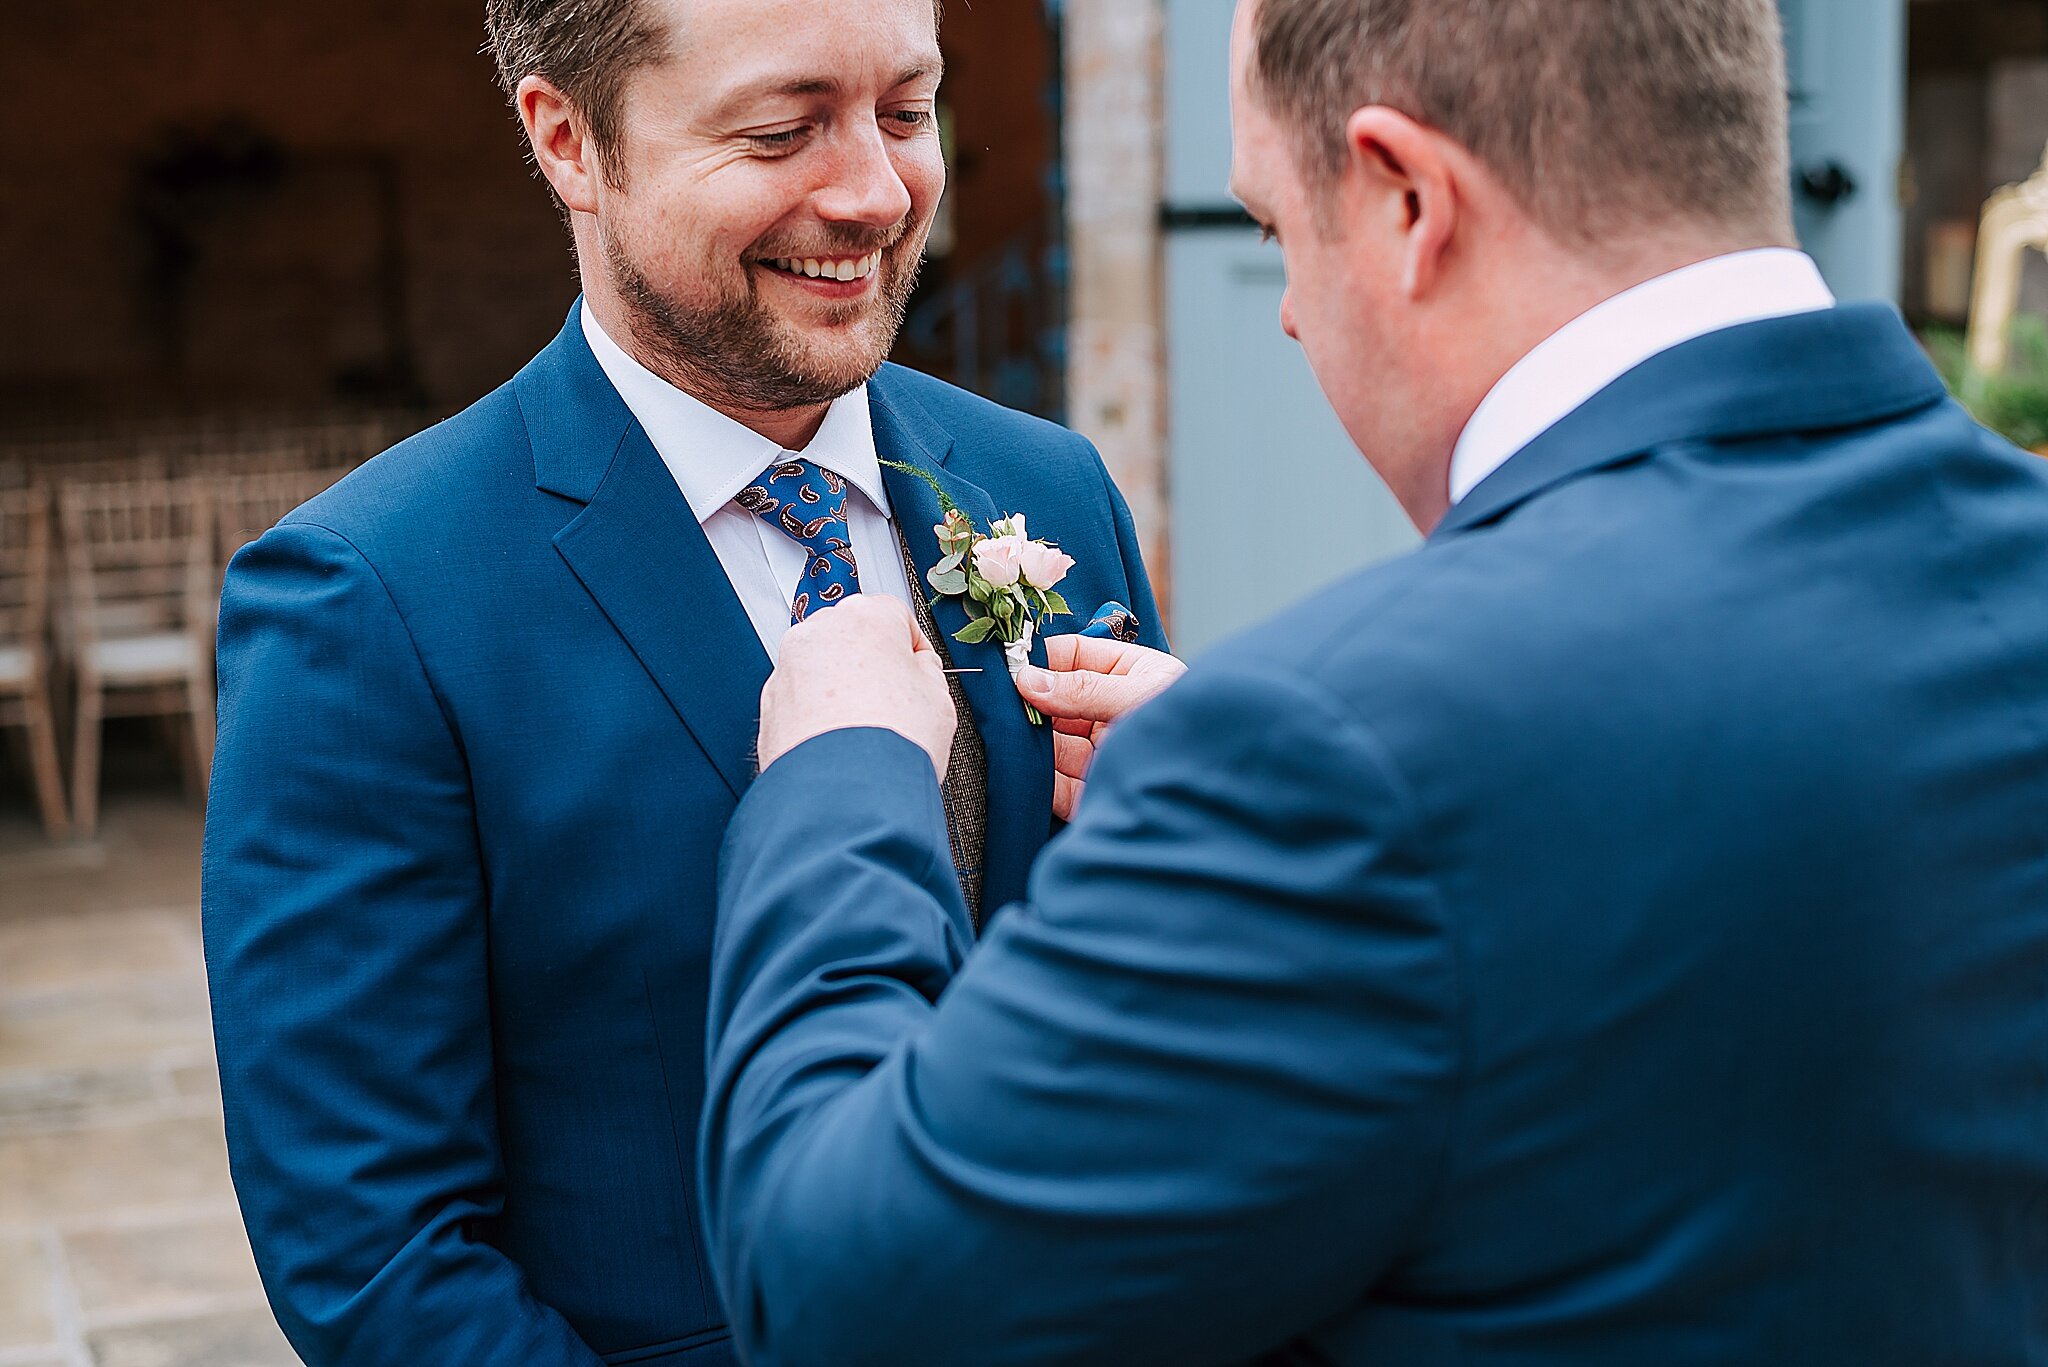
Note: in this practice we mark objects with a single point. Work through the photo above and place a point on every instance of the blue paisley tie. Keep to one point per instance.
(807, 503)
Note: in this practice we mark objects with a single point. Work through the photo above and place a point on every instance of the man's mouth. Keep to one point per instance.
(846, 268)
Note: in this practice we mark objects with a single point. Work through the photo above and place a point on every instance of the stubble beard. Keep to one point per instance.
(737, 355)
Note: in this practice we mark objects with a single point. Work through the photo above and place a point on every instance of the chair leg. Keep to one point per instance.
(203, 724)
(49, 772)
(85, 762)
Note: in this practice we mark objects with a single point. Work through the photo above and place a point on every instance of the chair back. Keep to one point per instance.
(248, 505)
(24, 569)
(96, 466)
(138, 558)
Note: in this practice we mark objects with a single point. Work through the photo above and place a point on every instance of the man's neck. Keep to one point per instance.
(1606, 322)
(1512, 316)
(792, 429)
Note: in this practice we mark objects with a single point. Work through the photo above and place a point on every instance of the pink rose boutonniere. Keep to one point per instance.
(1006, 578)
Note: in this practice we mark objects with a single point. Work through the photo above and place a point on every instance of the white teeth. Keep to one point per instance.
(815, 269)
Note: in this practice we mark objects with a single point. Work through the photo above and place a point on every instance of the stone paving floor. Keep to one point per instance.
(120, 1245)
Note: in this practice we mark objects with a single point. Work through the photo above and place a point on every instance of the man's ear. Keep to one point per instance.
(562, 148)
(1407, 174)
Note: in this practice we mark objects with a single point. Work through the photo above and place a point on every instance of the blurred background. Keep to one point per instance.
(249, 245)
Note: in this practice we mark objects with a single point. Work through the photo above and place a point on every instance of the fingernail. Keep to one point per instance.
(1032, 679)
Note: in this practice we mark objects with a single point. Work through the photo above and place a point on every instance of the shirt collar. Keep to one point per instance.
(1611, 339)
(711, 456)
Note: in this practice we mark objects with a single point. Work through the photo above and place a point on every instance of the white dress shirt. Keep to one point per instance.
(1609, 340)
(713, 458)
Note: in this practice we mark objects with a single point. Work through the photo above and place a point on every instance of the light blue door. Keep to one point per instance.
(1848, 137)
(1270, 500)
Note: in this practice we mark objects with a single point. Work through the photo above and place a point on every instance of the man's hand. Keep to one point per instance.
(862, 663)
(1092, 684)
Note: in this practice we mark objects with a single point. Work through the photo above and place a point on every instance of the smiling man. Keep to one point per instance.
(488, 705)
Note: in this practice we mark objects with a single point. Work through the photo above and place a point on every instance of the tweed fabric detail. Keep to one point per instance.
(966, 787)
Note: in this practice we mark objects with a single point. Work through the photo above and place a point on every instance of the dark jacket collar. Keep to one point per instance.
(1845, 367)
(575, 420)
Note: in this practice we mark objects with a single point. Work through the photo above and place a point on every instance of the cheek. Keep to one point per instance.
(714, 218)
(1338, 343)
(921, 164)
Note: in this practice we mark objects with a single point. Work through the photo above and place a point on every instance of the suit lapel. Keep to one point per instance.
(1019, 754)
(638, 550)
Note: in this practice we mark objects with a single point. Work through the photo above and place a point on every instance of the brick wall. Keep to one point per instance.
(251, 202)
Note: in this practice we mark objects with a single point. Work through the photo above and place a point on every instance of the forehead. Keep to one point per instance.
(728, 46)
(1254, 136)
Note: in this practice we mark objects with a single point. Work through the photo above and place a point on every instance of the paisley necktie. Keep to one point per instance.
(807, 503)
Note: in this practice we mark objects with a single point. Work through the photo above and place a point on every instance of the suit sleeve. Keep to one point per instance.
(1184, 1104)
(344, 910)
(1142, 600)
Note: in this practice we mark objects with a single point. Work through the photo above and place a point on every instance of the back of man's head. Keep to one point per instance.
(1600, 116)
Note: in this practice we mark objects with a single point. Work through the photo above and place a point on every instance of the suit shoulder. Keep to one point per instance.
(1418, 631)
(448, 472)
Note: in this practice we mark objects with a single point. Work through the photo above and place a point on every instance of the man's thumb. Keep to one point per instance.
(1075, 696)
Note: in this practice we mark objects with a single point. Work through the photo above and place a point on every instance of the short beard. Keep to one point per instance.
(735, 355)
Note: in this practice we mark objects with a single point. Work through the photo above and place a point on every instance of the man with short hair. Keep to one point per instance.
(487, 705)
(1615, 934)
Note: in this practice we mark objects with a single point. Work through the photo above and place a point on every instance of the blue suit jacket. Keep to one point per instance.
(1614, 935)
(485, 710)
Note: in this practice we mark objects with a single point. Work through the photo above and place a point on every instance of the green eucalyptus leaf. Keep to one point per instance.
(951, 584)
(975, 632)
(946, 505)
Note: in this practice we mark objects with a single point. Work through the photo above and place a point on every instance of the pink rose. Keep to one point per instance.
(1000, 559)
(1043, 566)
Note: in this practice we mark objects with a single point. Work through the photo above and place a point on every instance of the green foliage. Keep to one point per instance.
(946, 504)
(2013, 404)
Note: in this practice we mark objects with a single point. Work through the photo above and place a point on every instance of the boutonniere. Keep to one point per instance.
(1006, 578)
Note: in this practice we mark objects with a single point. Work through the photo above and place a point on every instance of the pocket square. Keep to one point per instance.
(1113, 622)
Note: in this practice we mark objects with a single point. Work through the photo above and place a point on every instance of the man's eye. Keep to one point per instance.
(775, 142)
(911, 119)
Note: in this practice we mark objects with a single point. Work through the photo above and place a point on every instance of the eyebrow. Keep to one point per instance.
(809, 86)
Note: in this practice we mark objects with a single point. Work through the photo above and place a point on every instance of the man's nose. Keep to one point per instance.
(865, 186)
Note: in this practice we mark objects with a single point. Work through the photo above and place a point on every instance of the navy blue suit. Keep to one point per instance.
(485, 709)
(1614, 935)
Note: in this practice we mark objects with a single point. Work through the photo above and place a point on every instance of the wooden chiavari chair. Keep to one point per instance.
(141, 604)
(25, 674)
